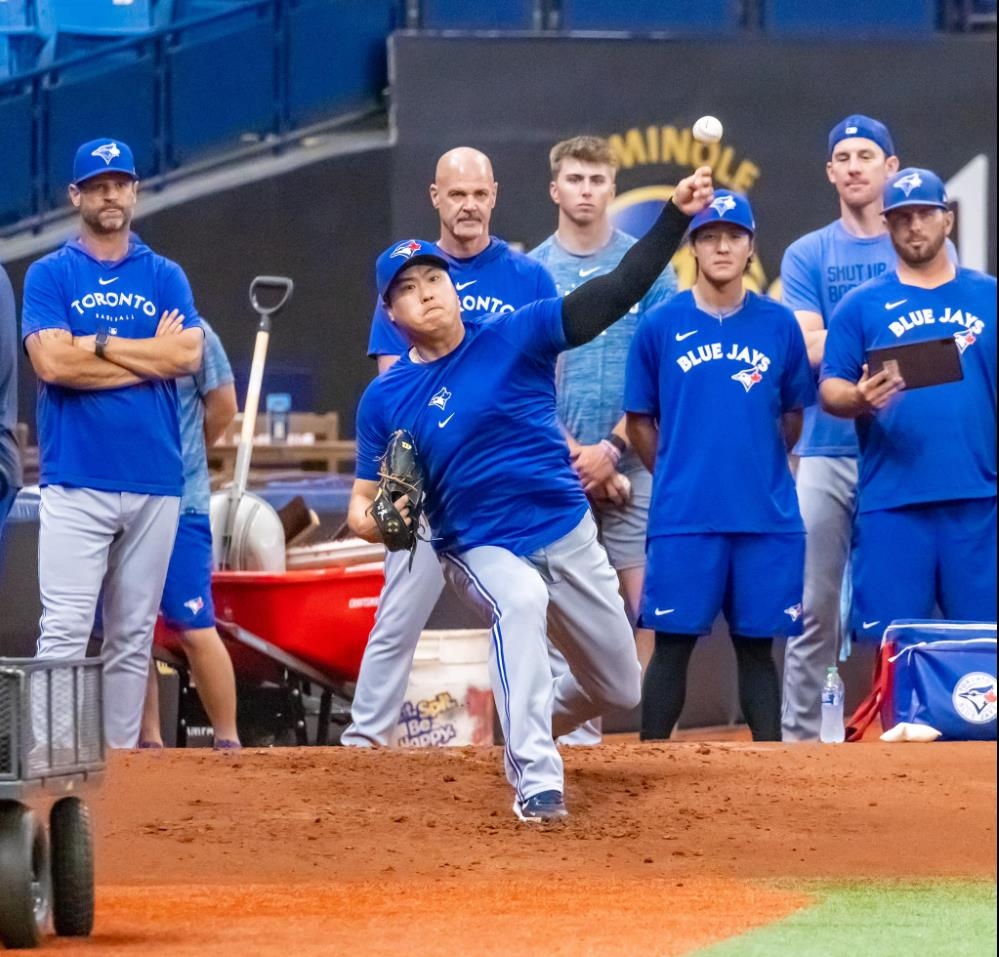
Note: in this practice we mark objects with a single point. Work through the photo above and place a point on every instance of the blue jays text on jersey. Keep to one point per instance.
(498, 280)
(935, 444)
(88, 438)
(484, 422)
(718, 389)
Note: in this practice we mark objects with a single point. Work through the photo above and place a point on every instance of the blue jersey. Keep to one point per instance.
(934, 444)
(590, 381)
(484, 421)
(818, 270)
(214, 373)
(498, 280)
(114, 440)
(718, 389)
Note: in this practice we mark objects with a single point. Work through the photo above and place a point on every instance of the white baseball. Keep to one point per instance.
(708, 129)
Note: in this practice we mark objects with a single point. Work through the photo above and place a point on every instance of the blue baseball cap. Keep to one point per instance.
(726, 207)
(915, 187)
(103, 156)
(863, 127)
(401, 256)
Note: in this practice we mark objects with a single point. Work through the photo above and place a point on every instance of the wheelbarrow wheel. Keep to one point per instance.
(24, 876)
(72, 868)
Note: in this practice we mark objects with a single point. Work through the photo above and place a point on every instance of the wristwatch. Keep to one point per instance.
(100, 341)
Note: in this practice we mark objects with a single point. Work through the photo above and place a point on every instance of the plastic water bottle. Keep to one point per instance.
(278, 413)
(832, 730)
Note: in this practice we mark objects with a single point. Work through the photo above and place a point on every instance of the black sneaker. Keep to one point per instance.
(546, 806)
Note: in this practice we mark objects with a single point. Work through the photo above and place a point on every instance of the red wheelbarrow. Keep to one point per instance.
(288, 631)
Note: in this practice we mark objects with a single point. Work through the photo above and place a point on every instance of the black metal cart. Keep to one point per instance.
(51, 750)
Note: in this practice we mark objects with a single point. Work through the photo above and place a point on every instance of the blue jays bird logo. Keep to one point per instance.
(975, 697)
(964, 339)
(440, 399)
(749, 377)
(722, 204)
(107, 152)
(794, 612)
(195, 604)
(908, 183)
(406, 249)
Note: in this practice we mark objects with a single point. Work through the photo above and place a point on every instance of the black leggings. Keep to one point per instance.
(665, 688)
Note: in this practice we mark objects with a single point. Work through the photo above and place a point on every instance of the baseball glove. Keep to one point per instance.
(400, 475)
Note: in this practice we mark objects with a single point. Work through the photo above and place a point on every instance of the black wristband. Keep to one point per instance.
(618, 442)
(100, 341)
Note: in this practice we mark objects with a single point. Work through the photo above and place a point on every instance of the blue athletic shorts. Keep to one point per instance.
(187, 594)
(908, 560)
(755, 579)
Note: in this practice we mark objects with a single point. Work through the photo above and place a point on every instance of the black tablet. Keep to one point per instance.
(931, 362)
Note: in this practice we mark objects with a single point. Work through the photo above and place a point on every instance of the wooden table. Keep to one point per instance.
(322, 455)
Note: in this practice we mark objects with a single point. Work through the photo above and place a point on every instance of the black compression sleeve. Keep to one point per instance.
(599, 303)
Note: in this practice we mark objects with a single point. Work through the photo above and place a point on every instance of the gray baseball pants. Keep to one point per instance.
(407, 599)
(566, 591)
(827, 491)
(122, 540)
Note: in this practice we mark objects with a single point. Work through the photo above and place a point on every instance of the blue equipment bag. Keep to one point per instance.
(942, 674)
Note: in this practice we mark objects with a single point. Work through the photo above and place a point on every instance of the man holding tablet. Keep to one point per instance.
(925, 533)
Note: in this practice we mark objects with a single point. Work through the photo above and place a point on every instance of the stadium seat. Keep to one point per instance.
(104, 18)
(645, 16)
(461, 15)
(18, 52)
(848, 17)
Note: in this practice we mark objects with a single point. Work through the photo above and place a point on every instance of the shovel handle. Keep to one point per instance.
(280, 283)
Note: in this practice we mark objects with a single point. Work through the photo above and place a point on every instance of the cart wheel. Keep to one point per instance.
(24, 876)
(72, 868)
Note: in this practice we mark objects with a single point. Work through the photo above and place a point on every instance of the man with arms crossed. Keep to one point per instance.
(925, 533)
(108, 325)
(508, 511)
(489, 278)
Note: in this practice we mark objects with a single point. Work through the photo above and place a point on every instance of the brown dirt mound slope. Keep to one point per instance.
(319, 851)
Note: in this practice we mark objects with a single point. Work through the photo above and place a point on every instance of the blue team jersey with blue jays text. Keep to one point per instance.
(484, 422)
(119, 440)
(937, 443)
(498, 280)
(718, 389)
(590, 381)
(214, 373)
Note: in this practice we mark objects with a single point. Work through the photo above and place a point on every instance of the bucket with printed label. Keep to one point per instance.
(449, 700)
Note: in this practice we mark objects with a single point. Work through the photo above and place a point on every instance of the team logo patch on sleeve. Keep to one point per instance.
(794, 612)
(195, 604)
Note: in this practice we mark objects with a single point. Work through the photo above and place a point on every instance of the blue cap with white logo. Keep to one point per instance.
(401, 256)
(915, 187)
(103, 156)
(862, 127)
(726, 207)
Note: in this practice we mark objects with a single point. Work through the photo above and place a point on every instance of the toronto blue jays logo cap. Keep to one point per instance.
(401, 256)
(726, 207)
(862, 127)
(915, 187)
(103, 156)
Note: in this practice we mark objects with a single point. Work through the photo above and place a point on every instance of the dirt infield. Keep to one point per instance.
(323, 851)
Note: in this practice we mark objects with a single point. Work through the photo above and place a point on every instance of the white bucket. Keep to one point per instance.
(449, 700)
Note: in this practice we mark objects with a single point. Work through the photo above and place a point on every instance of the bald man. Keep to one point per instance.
(489, 277)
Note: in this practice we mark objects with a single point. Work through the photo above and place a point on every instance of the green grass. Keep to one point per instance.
(953, 918)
